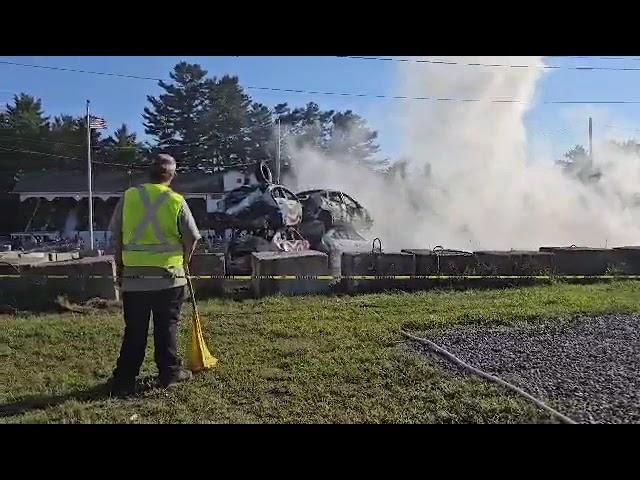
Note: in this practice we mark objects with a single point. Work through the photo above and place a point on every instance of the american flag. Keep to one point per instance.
(97, 123)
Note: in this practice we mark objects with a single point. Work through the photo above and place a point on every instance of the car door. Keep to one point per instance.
(294, 213)
(290, 207)
(357, 214)
(337, 206)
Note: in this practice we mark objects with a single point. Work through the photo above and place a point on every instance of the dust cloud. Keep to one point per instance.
(484, 190)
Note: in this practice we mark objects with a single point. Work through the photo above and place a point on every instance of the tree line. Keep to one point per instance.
(207, 123)
(577, 161)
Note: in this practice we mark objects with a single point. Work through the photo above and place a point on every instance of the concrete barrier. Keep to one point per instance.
(62, 256)
(583, 260)
(79, 286)
(208, 264)
(12, 290)
(378, 264)
(24, 258)
(514, 262)
(439, 262)
(38, 286)
(424, 260)
(443, 262)
(289, 263)
(36, 257)
(628, 259)
(34, 288)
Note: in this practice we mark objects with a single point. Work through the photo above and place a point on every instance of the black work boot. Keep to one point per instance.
(120, 388)
(174, 378)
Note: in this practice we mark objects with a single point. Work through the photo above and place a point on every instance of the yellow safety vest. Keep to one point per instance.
(150, 236)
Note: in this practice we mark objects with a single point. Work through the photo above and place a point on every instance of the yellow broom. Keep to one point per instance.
(200, 358)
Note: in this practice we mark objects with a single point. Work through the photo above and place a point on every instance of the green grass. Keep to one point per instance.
(315, 359)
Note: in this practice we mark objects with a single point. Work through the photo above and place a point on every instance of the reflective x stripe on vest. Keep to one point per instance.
(140, 248)
(150, 218)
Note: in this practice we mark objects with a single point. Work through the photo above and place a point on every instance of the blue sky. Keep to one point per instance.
(122, 100)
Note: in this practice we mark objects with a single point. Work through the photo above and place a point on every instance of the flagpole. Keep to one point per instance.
(278, 158)
(89, 178)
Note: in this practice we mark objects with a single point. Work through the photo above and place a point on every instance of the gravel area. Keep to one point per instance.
(587, 367)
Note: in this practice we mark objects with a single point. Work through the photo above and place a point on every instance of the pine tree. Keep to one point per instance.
(175, 117)
(122, 147)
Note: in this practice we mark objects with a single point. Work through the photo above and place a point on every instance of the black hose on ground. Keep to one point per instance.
(452, 358)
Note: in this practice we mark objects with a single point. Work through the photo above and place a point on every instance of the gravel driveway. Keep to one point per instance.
(587, 367)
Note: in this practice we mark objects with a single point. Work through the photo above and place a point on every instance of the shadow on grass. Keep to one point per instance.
(30, 403)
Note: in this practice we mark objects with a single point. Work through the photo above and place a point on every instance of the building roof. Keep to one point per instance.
(105, 184)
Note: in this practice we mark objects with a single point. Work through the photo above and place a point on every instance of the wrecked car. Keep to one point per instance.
(290, 240)
(339, 240)
(324, 210)
(334, 208)
(269, 217)
(256, 218)
(258, 207)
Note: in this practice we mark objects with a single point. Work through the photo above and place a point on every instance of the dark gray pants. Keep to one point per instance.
(165, 306)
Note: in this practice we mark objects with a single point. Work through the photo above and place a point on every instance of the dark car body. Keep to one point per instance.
(256, 218)
(334, 209)
(269, 217)
(258, 207)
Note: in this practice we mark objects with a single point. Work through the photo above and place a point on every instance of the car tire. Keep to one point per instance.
(326, 219)
(263, 173)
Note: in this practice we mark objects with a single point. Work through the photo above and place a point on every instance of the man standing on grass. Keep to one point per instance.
(155, 236)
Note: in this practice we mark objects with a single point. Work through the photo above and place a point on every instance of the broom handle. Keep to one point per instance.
(191, 292)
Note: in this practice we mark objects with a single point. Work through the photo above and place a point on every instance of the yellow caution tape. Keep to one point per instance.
(338, 277)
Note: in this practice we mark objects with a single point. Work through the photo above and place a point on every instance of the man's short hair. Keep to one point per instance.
(162, 169)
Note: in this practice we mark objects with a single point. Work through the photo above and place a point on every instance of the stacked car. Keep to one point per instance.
(269, 217)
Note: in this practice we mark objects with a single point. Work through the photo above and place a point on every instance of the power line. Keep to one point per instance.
(592, 102)
(594, 57)
(251, 87)
(32, 152)
(40, 153)
(66, 69)
(104, 147)
(23, 139)
(123, 165)
(623, 128)
(56, 142)
(350, 94)
(557, 131)
(493, 65)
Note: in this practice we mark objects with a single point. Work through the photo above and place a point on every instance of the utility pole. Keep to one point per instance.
(89, 179)
(590, 142)
(278, 156)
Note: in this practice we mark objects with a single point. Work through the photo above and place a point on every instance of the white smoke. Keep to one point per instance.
(483, 193)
